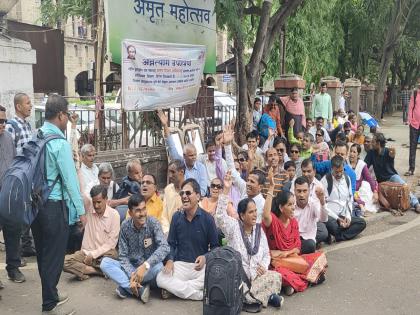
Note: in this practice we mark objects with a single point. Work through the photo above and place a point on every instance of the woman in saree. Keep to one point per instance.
(247, 237)
(282, 231)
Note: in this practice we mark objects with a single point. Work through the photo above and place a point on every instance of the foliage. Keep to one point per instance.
(55, 11)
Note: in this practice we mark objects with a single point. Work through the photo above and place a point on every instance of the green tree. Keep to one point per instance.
(53, 12)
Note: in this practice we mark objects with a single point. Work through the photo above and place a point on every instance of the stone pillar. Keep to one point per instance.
(16, 60)
(353, 86)
(369, 91)
(334, 89)
(288, 81)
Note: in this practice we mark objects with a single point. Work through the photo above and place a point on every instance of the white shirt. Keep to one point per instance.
(110, 192)
(342, 103)
(312, 188)
(313, 129)
(308, 218)
(259, 202)
(89, 177)
(211, 167)
(340, 201)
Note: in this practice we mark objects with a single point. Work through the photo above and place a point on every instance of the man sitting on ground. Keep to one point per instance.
(337, 187)
(154, 205)
(171, 199)
(130, 185)
(308, 213)
(192, 233)
(382, 160)
(88, 170)
(193, 168)
(106, 179)
(100, 237)
(142, 248)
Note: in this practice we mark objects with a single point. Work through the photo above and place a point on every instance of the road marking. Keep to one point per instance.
(375, 237)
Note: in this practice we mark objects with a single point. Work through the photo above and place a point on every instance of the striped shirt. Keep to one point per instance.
(21, 132)
(405, 97)
(280, 179)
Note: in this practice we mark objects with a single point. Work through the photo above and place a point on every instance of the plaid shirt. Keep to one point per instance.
(22, 135)
(405, 97)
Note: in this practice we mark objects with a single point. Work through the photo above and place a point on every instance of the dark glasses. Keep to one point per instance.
(294, 151)
(187, 193)
(319, 135)
(280, 150)
(241, 160)
(216, 186)
(3, 121)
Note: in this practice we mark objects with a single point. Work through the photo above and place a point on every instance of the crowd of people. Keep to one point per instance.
(297, 183)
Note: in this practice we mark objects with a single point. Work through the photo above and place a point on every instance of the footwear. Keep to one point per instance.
(321, 279)
(28, 252)
(289, 290)
(330, 239)
(165, 294)
(123, 294)
(1, 285)
(62, 298)
(22, 262)
(59, 310)
(276, 300)
(15, 275)
(144, 293)
(417, 208)
(409, 173)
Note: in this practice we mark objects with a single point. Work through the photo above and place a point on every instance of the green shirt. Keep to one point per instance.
(322, 106)
(59, 161)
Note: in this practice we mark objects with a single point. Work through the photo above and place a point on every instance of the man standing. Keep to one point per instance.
(322, 105)
(343, 101)
(414, 122)
(405, 100)
(142, 248)
(100, 237)
(191, 235)
(256, 114)
(295, 109)
(51, 227)
(11, 234)
(21, 132)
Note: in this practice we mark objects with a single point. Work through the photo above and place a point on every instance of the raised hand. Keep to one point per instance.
(227, 182)
(319, 191)
(163, 117)
(291, 122)
(228, 135)
(270, 177)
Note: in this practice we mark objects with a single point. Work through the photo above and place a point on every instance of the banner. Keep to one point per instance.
(168, 21)
(160, 75)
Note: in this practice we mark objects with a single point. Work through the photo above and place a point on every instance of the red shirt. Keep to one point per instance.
(282, 237)
(414, 116)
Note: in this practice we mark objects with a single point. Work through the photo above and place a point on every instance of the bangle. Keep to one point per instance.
(270, 194)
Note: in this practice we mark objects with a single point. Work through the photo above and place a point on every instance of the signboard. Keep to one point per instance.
(169, 21)
(227, 78)
(160, 75)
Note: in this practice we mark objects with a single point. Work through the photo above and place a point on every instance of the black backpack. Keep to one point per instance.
(223, 289)
(330, 182)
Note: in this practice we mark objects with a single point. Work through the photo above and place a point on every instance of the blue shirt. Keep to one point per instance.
(324, 167)
(59, 161)
(188, 240)
(265, 123)
(198, 171)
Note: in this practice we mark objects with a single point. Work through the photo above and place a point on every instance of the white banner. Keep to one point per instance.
(160, 75)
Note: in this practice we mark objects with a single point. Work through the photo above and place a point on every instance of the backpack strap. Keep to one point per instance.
(414, 103)
(329, 179)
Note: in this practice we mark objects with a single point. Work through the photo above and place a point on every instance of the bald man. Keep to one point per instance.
(193, 168)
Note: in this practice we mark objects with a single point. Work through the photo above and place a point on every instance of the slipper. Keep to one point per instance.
(409, 173)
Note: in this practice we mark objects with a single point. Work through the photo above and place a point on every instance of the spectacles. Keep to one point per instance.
(187, 193)
(3, 121)
(241, 160)
(280, 150)
(294, 151)
(218, 186)
(319, 135)
(147, 182)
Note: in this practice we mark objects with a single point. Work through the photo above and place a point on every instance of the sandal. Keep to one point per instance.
(409, 173)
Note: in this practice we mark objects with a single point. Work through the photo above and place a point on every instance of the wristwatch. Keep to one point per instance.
(147, 265)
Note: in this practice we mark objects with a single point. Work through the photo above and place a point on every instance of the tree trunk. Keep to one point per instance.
(400, 15)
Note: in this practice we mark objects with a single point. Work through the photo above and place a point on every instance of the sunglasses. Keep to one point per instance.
(147, 182)
(218, 186)
(241, 160)
(280, 150)
(3, 121)
(187, 193)
(319, 135)
(294, 151)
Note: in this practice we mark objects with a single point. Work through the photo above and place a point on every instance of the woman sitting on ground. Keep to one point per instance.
(247, 237)
(282, 230)
(209, 203)
(366, 195)
(321, 148)
(294, 152)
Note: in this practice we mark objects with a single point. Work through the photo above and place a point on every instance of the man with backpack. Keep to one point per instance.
(51, 225)
(11, 233)
(414, 122)
(337, 187)
(21, 131)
